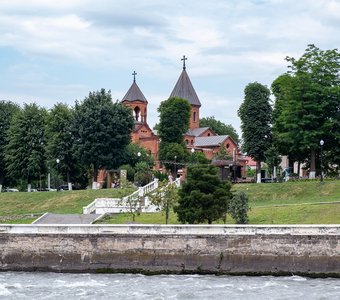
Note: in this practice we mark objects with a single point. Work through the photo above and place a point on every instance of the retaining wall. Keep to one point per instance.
(217, 249)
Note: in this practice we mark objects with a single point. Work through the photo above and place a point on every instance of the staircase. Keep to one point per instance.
(118, 205)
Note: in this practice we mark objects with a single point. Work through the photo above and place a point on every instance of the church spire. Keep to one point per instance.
(134, 76)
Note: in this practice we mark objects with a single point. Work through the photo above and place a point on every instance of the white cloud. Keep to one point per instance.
(62, 49)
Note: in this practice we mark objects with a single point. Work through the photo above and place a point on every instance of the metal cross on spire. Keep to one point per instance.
(184, 59)
(134, 76)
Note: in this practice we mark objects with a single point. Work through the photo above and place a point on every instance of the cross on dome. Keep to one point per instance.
(134, 76)
(184, 59)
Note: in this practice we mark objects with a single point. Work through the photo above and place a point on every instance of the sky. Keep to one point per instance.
(58, 51)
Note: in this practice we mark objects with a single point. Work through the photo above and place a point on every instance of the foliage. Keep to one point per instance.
(7, 110)
(203, 196)
(198, 158)
(143, 173)
(130, 155)
(222, 154)
(256, 115)
(272, 158)
(165, 197)
(173, 120)
(238, 207)
(102, 130)
(25, 151)
(133, 204)
(60, 141)
(220, 128)
(307, 106)
(130, 171)
(173, 156)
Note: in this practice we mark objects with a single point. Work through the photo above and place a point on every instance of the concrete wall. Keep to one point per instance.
(219, 249)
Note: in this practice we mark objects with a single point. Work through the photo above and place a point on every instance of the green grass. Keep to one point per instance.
(64, 202)
(271, 203)
(290, 192)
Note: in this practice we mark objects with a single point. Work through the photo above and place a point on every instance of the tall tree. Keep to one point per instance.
(174, 122)
(102, 130)
(203, 196)
(220, 128)
(310, 92)
(60, 141)
(256, 116)
(25, 151)
(7, 110)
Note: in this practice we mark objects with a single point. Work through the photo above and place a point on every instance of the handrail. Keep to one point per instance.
(142, 191)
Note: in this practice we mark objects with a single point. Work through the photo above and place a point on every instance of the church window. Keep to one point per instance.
(187, 142)
(228, 146)
(194, 116)
(208, 134)
(192, 142)
(137, 112)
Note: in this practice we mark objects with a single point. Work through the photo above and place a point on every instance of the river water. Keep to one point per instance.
(21, 285)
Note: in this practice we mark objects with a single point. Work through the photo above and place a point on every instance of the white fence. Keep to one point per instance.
(118, 205)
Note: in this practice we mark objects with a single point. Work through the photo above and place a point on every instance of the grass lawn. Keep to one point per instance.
(64, 202)
(271, 203)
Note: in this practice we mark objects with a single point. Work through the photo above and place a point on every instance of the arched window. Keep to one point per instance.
(137, 112)
(187, 142)
(208, 134)
(194, 116)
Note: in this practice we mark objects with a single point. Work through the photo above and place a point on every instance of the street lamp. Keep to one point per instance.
(175, 167)
(57, 161)
(321, 144)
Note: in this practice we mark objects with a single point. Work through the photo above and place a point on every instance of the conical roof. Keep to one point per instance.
(134, 93)
(184, 89)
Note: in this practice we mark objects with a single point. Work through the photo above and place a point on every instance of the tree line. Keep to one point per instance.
(73, 142)
(306, 112)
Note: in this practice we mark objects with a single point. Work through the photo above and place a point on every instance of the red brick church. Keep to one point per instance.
(202, 139)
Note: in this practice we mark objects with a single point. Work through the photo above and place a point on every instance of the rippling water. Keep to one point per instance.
(20, 285)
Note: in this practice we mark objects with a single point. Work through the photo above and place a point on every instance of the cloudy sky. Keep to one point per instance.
(57, 51)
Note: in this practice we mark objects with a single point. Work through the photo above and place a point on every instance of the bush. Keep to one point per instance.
(238, 207)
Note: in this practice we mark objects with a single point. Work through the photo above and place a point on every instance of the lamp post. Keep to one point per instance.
(321, 167)
(57, 161)
(175, 168)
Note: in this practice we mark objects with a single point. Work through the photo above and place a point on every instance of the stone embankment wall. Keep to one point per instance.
(219, 249)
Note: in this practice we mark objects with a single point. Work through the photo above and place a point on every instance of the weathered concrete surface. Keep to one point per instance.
(49, 218)
(277, 250)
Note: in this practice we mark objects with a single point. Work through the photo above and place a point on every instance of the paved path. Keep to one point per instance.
(66, 219)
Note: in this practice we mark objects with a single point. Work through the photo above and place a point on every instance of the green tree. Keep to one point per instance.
(143, 173)
(7, 110)
(273, 160)
(165, 197)
(25, 155)
(238, 207)
(223, 154)
(102, 130)
(60, 142)
(134, 153)
(173, 120)
(203, 196)
(256, 116)
(174, 156)
(174, 123)
(309, 104)
(220, 128)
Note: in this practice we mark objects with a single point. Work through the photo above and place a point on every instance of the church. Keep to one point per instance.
(202, 139)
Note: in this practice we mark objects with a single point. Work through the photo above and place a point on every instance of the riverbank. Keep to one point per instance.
(305, 202)
(183, 249)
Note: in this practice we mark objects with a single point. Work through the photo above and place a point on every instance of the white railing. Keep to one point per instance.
(117, 205)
